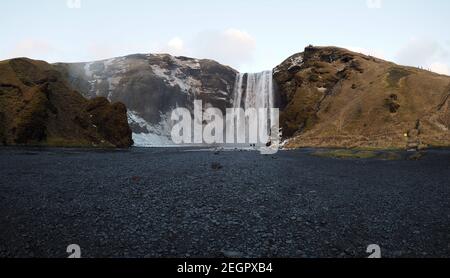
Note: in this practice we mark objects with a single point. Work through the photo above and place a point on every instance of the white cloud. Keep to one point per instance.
(424, 53)
(366, 51)
(31, 48)
(420, 52)
(100, 51)
(73, 4)
(176, 46)
(231, 47)
(374, 4)
(95, 51)
(440, 68)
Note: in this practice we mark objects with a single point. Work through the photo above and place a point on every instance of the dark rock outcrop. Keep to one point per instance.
(152, 85)
(111, 121)
(39, 107)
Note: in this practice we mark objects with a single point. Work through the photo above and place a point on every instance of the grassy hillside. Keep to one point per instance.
(332, 97)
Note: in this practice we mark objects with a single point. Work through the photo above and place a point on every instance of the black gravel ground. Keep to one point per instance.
(172, 203)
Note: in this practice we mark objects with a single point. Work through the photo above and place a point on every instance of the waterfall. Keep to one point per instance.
(254, 90)
(258, 90)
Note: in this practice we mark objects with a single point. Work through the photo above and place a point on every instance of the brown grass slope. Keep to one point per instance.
(332, 97)
(38, 107)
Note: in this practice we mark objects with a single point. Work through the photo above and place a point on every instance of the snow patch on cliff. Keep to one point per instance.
(178, 76)
(87, 70)
(151, 140)
(151, 135)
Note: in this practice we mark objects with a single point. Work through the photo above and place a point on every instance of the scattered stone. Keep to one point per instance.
(136, 179)
(232, 254)
(216, 166)
(416, 156)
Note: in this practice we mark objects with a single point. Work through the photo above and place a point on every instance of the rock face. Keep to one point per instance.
(332, 97)
(151, 86)
(328, 96)
(39, 107)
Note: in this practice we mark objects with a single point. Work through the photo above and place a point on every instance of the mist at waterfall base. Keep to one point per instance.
(252, 121)
(255, 90)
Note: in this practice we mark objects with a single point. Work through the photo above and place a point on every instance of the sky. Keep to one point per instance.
(249, 35)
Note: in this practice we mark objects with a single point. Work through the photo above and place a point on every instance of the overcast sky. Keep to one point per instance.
(249, 35)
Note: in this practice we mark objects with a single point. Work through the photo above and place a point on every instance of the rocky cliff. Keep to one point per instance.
(151, 86)
(39, 107)
(332, 97)
(329, 97)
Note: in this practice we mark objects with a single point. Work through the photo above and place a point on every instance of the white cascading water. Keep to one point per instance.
(257, 93)
(255, 90)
